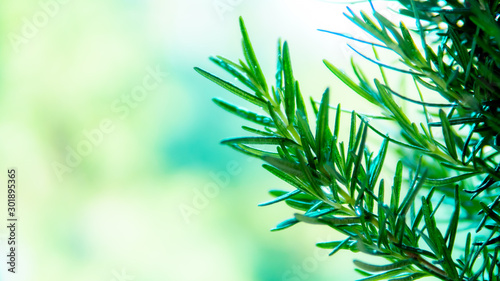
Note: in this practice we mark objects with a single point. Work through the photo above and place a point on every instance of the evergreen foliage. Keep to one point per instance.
(440, 213)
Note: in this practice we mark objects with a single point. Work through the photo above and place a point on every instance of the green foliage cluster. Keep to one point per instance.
(440, 215)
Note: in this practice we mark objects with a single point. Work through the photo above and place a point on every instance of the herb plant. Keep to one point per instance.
(439, 215)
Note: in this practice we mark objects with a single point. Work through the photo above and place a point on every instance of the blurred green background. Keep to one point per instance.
(120, 172)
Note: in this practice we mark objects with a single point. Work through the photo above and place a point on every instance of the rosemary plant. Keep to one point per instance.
(440, 215)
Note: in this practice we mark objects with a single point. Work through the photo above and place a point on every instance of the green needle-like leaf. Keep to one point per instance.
(305, 130)
(280, 124)
(280, 198)
(378, 268)
(232, 88)
(260, 140)
(335, 245)
(236, 71)
(245, 114)
(289, 84)
(279, 74)
(357, 159)
(438, 242)
(337, 122)
(449, 138)
(291, 179)
(250, 56)
(301, 106)
(285, 224)
(258, 132)
(396, 187)
(300, 205)
(346, 80)
(323, 133)
(384, 276)
(410, 277)
(306, 147)
(451, 232)
(449, 180)
(250, 151)
(494, 216)
(378, 163)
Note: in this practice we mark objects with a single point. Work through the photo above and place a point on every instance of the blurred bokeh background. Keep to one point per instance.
(116, 141)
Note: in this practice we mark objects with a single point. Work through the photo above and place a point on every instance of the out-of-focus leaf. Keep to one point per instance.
(285, 224)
